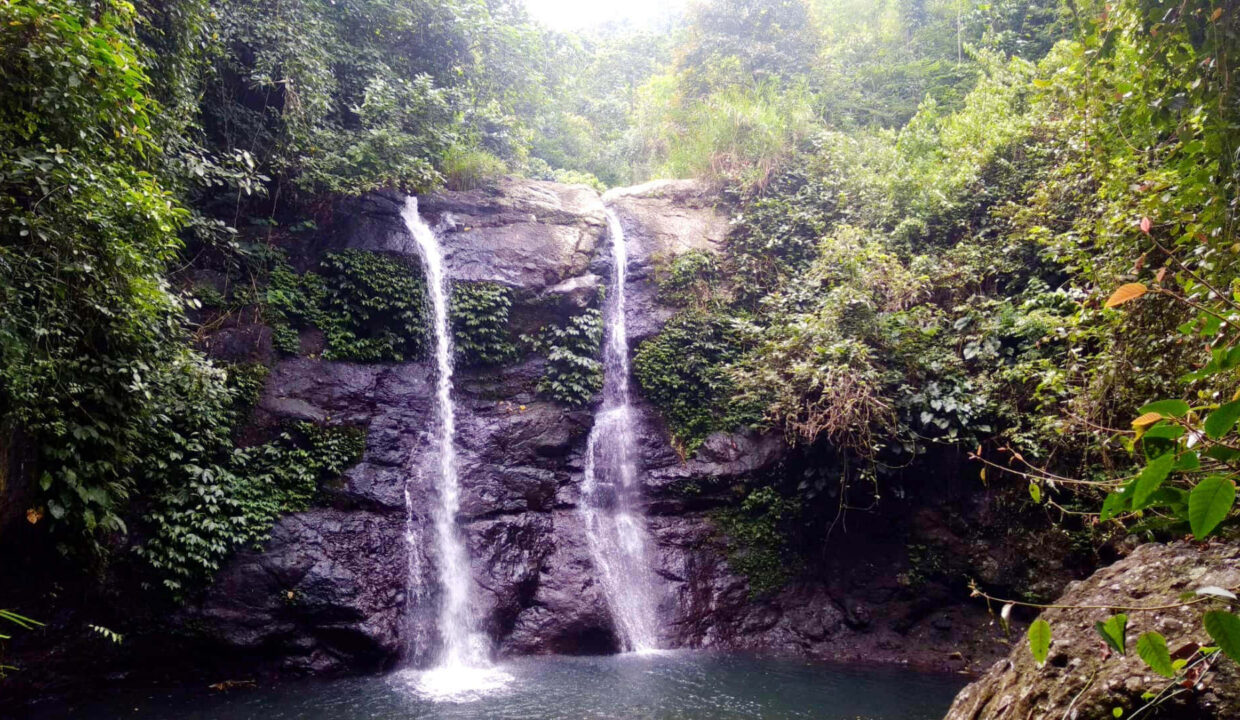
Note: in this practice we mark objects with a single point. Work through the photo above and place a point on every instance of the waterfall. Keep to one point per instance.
(464, 665)
(614, 525)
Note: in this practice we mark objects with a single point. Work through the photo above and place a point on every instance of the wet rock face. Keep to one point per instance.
(315, 599)
(663, 219)
(1082, 681)
(538, 238)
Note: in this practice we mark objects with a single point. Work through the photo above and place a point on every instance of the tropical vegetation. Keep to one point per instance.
(999, 230)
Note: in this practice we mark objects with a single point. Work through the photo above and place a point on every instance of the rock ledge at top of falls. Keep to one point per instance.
(546, 240)
(663, 219)
(534, 236)
(670, 217)
(1079, 681)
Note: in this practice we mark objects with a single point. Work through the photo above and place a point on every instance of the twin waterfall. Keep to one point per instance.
(614, 527)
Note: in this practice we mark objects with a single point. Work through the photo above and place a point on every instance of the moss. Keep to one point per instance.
(758, 539)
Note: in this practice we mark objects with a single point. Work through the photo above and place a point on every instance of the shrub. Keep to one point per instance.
(685, 372)
(212, 510)
(758, 535)
(574, 373)
(370, 307)
(479, 314)
(690, 278)
(470, 168)
(739, 133)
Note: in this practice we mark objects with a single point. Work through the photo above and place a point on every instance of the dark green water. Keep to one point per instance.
(680, 686)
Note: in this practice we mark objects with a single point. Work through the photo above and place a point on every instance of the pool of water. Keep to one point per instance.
(665, 686)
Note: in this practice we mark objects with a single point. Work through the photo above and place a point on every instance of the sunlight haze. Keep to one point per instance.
(575, 15)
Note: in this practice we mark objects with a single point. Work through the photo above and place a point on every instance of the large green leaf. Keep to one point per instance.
(1152, 648)
(1115, 503)
(1166, 408)
(1152, 478)
(1221, 421)
(1040, 640)
(1113, 631)
(1224, 628)
(1209, 503)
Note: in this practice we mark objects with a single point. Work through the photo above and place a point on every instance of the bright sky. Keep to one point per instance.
(578, 14)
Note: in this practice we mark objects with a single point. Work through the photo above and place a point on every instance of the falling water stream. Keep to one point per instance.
(614, 524)
(464, 666)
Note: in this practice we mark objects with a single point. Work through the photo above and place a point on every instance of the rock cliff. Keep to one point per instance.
(328, 592)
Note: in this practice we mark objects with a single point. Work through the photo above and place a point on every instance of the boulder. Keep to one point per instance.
(1082, 680)
(314, 600)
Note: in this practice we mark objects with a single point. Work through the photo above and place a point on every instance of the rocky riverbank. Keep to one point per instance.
(1083, 680)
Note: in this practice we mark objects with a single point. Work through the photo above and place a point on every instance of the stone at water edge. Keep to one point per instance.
(1154, 574)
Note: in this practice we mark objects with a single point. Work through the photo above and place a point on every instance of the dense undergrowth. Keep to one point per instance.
(1037, 269)
(941, 281)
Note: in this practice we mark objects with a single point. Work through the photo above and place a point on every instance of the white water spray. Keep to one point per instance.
(464, 670)
(614, 525)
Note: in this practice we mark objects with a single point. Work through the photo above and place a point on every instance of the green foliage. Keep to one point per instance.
(1210, 503)
(245, 381)
(1152, 648)
(754, 40)
(925, 563)
(689, 279)
(370, 307)
(107, 634)
(23, 623)
(195, 525)
(742, 132)
(758, 538)
(587, 131)
(90, 330)
(574, 373)
(1114, 632)
(479, 313)
(373, 94)
(1040, 640)
(468, 169)
(684, 371)
(1224, 629)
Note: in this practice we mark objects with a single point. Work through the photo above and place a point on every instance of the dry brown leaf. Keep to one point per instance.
(1126, 293)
